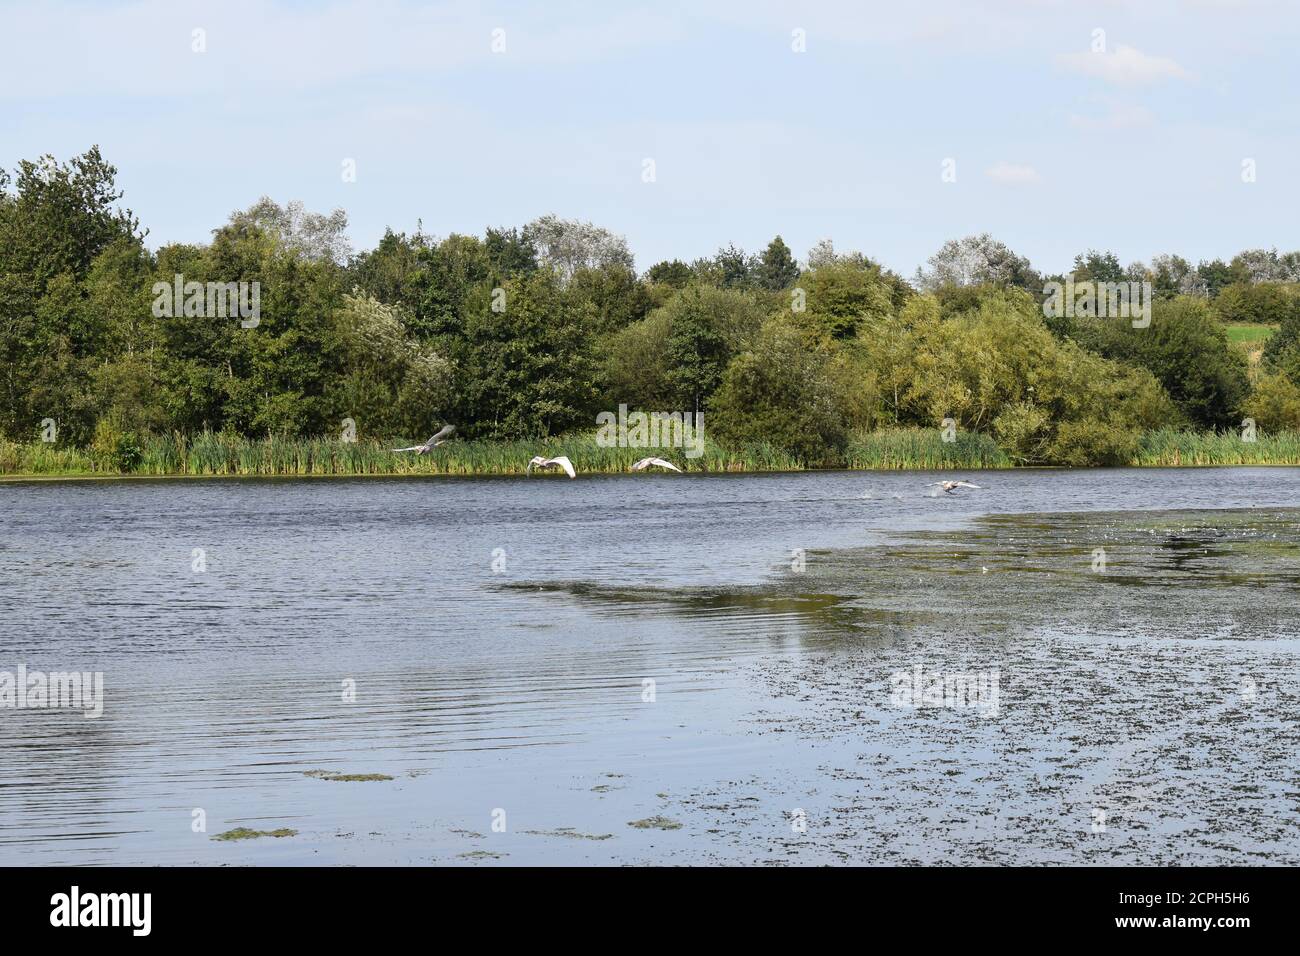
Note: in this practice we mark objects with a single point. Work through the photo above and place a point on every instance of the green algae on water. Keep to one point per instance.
(345, 777)
(244, 833)
(656, 823)
(571, 833)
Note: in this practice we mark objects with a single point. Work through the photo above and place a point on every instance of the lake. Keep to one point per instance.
(836, 667)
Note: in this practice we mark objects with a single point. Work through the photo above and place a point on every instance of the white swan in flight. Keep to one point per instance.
(645, 463)
(434, 441)
(559, 462)
(952, 486)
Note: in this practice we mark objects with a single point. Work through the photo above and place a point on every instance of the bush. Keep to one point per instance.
(996, 368)
(1092, 442)
(1020, 431)
(114, 449)
(782, 392)
(1186, 350)
(1274, 403)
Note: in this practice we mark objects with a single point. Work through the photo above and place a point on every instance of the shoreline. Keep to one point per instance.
(215, 455)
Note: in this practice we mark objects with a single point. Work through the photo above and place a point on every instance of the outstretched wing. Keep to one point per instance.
(643, 464)
(563, 462)
(412, 448)
(965, 484)
(662, 463)
(445, 432)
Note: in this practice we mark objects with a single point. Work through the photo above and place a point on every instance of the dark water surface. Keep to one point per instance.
(1146, 711)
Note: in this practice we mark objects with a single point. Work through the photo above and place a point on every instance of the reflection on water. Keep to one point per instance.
(645, 648)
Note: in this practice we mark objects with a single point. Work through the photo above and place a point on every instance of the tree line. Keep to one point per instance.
(530, 331)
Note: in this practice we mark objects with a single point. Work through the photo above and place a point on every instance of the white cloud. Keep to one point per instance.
(1013, 174)
(1125, 67)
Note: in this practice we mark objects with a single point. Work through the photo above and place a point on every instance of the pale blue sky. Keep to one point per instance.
(1138, 149)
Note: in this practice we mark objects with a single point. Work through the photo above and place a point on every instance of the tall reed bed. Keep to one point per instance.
(1171, 448)
(923, 449)
(41, 458)
(222, 454)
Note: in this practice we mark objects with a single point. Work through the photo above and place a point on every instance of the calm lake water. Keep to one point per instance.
(538, 664)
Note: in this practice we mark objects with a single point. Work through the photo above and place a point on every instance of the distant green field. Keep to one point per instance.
(1250, 334)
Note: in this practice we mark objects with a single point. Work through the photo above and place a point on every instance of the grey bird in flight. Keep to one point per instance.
(434, 441)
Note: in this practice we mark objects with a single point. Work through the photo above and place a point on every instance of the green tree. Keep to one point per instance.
(61, 217)
(509, 252)
(733, 269)
(999, 369)
(1186, 350)
(783, 393)
(394, 271)
(777, 269)
(55, 223)
(1098, 267)
(276, 372)
(1274, 401)
(696, 352)
(1216, 274)
(388, 383)
(706, 327)
(1268, 303)
(841, 295)
(635, 365)
(617, 297)
(453, 270)
(527, 369)
(674, 273)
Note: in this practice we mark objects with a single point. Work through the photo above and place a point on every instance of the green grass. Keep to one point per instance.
(212, 454)
(1254, 335)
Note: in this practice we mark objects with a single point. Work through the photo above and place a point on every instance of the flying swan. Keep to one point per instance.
(558, 462)
(952, 486)
(645, 463)
(434, 441)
